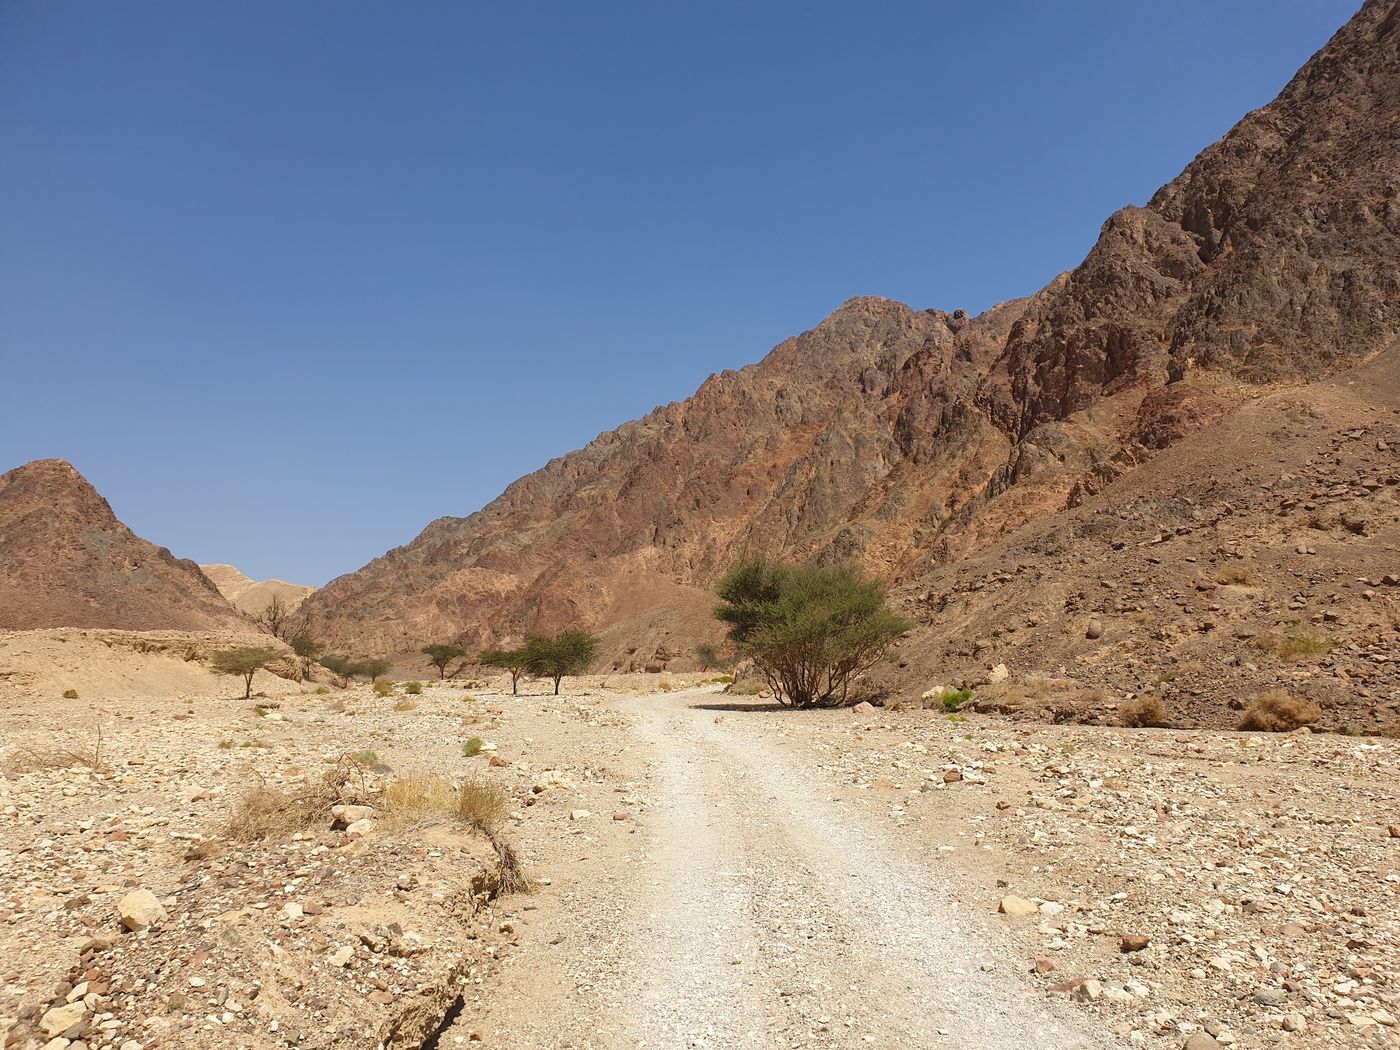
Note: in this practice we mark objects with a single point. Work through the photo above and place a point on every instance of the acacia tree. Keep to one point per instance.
(343, 667)
(442, 655)
(307, 648)
(569, 652)
(810, 631)
(246, 661)
(374, 667)
(513, 660)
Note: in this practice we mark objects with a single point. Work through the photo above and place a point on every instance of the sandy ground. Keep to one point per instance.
(711, 872)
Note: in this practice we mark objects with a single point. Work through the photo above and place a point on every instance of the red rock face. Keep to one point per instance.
(907, 439)
(66, 561)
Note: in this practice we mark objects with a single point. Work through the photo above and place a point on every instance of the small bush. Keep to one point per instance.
(403, 703)
(366, 758)
(322, 690)
(952, 699)
(1279, 712)
(473, 747)
(752, 687)
(1144, 712)
(413, 688)
(225, 745)
(70, 694)
(383, 687)
(1293, 643)
(34, 760)
(721, 679)
(1233, 575)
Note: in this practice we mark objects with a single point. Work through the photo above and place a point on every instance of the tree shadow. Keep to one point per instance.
(741, 706)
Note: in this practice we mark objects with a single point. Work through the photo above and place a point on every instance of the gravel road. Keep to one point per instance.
(750, 908)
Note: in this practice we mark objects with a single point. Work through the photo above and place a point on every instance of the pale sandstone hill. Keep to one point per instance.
(253, 596)
(909, 440)
(66, 561)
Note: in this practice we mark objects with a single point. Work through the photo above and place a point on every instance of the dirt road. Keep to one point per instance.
(750, 907)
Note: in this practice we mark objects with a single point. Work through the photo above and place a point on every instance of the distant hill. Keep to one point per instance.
(911, 441)
(253, 596)
(66, 561)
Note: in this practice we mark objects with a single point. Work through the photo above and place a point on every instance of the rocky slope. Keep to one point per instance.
(253, 596)
(66, 561)
(909, 440)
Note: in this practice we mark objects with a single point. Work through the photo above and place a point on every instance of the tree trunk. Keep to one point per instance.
(248, 685)
(557, 680)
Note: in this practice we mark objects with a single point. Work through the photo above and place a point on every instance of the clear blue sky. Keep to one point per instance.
(287, 280)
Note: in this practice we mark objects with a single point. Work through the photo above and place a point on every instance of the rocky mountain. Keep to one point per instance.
(912, 440)
(66, 561)
(253, 596)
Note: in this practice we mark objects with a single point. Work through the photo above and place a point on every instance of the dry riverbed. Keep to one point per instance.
(708, 872)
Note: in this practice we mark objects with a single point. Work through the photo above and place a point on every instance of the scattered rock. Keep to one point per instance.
(140, 910)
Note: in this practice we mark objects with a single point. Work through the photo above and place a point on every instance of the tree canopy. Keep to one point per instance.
(515, 661)
(567, 653)
(809, 630)
(442, 655)
(245, 661)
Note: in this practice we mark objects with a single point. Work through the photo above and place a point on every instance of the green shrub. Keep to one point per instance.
(810, 631)
(951, 699)
(1293, 643)
(322, 690)
(413, 688)
(365, 758)
(473, 747)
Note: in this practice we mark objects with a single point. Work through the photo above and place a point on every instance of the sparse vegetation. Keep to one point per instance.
(1234, 574)
(262, 811)
(413, 688)
(275, 617)
(383, 687)
(473, 747)
(70, 694)
(515, 661)
(415, 800)
(708, 656)
(343, 667)
(368, 759)
(810, 631)
(34, 759)
(567, 653)
(1144, 712)
(374, 667)
(244, 661)
(951, 699)
(482, 805)
(322, 690)
(405, 703)
(1293, 643)
(307, 648)
(1277, 711)
(442, 655)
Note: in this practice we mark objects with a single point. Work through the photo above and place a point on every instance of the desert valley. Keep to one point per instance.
(1109, 755)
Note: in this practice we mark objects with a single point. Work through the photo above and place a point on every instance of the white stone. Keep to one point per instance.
(140, 909)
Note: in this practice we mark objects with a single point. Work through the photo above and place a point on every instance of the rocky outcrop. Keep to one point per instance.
(905, 439)
(66, 561)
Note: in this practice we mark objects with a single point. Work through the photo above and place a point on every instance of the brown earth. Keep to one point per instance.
(66, 561)
(253, 596)
(912, 440)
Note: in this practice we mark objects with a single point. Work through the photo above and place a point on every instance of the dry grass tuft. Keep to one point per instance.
(1144, 712)
(482, 805)
(403, 703)
(1293, 643)
(416, 800)
(39, 759)
(1233, 575)
(1279, 712)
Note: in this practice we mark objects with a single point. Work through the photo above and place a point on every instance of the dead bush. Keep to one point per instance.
(1279, 712)
(1233, 575)
(38, 759)
(262, 811)
(1144, 712)
(1041, 697)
